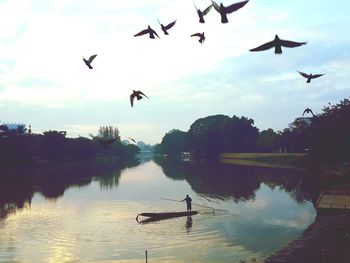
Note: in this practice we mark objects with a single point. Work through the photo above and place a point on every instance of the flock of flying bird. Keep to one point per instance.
(276, 43)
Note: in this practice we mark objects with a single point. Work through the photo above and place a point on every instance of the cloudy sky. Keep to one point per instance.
(44, 81)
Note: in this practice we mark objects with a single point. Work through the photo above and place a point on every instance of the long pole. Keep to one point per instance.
(146, 256)
(192, 203)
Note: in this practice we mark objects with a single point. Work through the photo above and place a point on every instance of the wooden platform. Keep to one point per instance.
(334, 200)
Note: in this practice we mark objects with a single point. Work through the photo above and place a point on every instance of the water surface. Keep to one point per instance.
(95, 221)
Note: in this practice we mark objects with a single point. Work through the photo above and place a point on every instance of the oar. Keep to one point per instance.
(192, 203)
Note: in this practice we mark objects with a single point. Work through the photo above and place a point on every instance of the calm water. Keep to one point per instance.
(95, 221)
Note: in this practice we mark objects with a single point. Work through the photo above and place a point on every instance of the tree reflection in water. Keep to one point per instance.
(237, 182)
(18, 186)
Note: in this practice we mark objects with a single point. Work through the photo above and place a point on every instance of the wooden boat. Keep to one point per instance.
(164, 215)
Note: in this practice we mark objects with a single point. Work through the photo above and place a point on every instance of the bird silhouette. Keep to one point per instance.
(138, 94)
(132, 139)
(310, 76)
(167, 27)
(308, 110)
(201, 37)
(224, 10)
(201, 13)
(88, 62)
(278, 43)
(149, 31)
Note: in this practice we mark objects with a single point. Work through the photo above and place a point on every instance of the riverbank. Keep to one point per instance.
(283, 160)
(326, 240)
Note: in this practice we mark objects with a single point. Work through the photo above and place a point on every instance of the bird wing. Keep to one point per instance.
(316, 76)
(304, 74)
(140, 92)
(92, 58)
(206, 11)
(216, 6)
(287, 43)
(132, 96)
(235, 7)
(265, 46)
(196, 35)
(145, 31)
(154, 32)
(306, 110)
(170, 25)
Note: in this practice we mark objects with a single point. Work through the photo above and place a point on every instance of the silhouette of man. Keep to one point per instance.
(188, 202)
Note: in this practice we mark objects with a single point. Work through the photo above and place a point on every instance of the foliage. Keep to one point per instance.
(219, 133)
(297, 137)
(26, 149)
(205, 135)
(267, 141)
(331, 133)
(173, 142)
(107, 133)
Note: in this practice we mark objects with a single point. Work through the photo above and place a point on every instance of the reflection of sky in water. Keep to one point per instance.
(95, 223)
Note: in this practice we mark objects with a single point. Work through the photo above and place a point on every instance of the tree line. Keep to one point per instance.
(326, 136)
(20, 148)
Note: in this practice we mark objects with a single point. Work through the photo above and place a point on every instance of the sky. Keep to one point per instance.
(45, 83)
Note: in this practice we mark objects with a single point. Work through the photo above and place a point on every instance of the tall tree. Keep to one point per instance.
(173, 142)
(267, 141)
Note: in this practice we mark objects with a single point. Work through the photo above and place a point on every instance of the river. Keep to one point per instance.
(254, 211)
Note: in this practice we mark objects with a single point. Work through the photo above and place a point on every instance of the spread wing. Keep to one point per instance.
(140, 92)
(317, 75)
(265, 46)
(206, 11)
(304, 74)
(235, 7)
(216, 6)
(92, 58)
(141, 33)
(132, 96)
(167, 27)
(154, 32)
(196, 35)
(307, 110)
(287, 43)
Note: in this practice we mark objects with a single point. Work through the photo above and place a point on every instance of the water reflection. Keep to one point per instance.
(189, 223)
(93, 216)
(18, 186)
(236, 182)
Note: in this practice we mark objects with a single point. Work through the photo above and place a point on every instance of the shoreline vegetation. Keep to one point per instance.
(282, 160)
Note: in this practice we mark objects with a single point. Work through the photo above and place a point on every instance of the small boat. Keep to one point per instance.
(164, 215)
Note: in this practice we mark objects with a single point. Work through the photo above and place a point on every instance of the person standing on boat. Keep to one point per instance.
(188, 202)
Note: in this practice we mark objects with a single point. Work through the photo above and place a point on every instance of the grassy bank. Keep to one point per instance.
(288, 160)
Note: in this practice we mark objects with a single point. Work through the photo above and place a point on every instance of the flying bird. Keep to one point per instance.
(307, 110)
(149, 31)
(224, 10)
(88, 62)
(132, 139)
(138, 94)
(278, 43)
(310, 76)
(167, 27)
(201, 37)
(201, 13)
